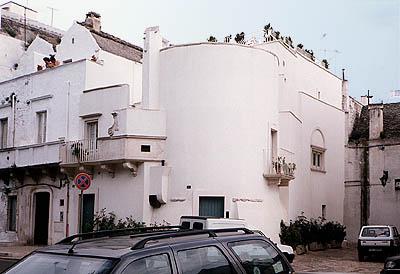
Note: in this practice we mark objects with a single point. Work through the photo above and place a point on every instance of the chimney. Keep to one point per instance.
(153, 42)
(364, 100)
(375, 121)
(93, 21)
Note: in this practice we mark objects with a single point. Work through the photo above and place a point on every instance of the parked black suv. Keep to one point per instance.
(161, 250)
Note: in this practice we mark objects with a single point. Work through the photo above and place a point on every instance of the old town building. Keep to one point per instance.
(250, 130)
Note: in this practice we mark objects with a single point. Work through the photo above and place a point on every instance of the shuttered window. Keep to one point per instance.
(3, 132)
(42, 124)
(91, 130)
(211, 206)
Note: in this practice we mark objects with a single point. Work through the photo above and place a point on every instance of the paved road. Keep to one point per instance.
(5, 263)
(343, 260)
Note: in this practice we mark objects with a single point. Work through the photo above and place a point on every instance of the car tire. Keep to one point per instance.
(361, 257)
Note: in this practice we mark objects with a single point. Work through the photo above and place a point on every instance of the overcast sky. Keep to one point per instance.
(362, 36)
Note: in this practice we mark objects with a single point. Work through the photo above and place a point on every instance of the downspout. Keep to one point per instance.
(67, 214)
(365, 186)
(13, 107)
(67, 112)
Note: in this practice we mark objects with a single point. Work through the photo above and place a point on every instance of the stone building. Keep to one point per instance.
(372, 183)
(250, 130)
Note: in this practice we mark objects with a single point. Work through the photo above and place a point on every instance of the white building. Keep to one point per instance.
(245, 131)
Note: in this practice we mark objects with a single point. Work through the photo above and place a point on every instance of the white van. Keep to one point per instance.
(200, 222)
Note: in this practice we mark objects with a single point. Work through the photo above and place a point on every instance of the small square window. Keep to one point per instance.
(145, 148)
(61, 202)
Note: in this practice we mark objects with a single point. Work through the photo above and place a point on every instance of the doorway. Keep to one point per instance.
(42, 206)
(88, 213)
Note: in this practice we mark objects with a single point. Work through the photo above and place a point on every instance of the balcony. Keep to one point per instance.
(280, 172)
(30, 155)
(112, 150)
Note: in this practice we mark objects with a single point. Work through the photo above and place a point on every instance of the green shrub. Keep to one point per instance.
(108, 221)
(303, 231)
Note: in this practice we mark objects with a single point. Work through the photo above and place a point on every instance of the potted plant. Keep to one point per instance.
(336, 233)
(325, 63)
(212, 39)
(290, 235)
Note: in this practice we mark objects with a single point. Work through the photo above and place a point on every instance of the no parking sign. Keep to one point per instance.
(82, 181)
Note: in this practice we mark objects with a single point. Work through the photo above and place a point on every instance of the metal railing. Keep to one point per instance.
(82, 151)
(279, 166)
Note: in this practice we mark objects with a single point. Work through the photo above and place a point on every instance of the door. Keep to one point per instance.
(88, 213)
(42, 206)
(211, 206)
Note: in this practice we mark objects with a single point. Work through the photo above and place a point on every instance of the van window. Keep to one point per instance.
(197, 225)
(259, 256)
(204, 260)
(185, 225)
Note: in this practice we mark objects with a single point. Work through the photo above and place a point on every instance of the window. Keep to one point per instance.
(40, 263)
(3, 132)
(317, 158)
(323, 212)
(274, 145)
(376, 232)
(205, 260)
(211, 206)
(317, 151)
(258, 256)
(42, 122)
(159, 264)
(12, 213)
(91, 132)
(145, 148)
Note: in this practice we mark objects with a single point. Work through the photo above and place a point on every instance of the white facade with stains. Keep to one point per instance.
(206, 128)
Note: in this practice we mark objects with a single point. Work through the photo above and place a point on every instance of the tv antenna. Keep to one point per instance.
(52, 14)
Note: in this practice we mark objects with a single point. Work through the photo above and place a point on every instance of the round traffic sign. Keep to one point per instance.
(82, 181)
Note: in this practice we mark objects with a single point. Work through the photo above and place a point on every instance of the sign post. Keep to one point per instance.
(82, 182)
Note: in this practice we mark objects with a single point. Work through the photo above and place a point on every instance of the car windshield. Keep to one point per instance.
(40, 263)
(376, 232)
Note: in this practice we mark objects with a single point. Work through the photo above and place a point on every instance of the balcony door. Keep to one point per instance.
(91, 135)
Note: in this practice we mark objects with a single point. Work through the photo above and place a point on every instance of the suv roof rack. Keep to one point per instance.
(114, 233)
(183, 233)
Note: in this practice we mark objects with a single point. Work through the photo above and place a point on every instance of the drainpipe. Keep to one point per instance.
(67, 112)
(67, 214)
(13, 108)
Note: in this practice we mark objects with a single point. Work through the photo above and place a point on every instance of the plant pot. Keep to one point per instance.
(335, 244)
(300, 249)
(316, 246)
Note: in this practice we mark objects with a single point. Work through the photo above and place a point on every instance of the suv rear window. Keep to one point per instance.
(375, 232)
(259, 257)
(208, 259)
(39, 263)
(159, 264)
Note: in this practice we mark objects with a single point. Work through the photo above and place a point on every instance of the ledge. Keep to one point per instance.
(318, 170)
(278, 179)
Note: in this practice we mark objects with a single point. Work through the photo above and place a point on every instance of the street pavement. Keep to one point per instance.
(342, 260)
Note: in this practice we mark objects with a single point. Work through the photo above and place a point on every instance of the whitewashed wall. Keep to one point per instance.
(221, 102)
(11, 50)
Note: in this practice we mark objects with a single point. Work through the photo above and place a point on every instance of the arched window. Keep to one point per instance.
(317, 151)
